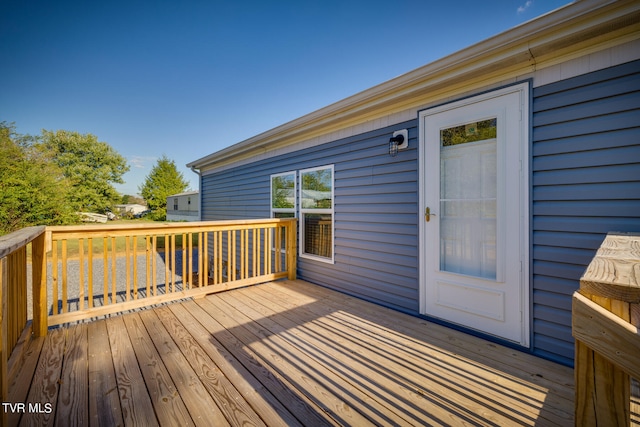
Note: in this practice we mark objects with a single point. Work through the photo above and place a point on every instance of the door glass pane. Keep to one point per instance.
(468, 179)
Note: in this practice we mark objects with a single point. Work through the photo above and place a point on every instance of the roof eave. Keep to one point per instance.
(518, 46)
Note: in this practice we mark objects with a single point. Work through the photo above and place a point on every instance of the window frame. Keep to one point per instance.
(303, 211)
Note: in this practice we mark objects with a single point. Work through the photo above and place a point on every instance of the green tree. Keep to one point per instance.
(163, 181)
(90, 166)
(33, 190)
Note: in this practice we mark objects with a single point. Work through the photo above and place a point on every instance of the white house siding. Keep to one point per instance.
(586, 182)
(187, 209)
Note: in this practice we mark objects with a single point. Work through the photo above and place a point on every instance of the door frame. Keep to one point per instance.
(524, 89)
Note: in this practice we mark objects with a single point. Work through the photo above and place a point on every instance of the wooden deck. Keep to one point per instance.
(282, 353)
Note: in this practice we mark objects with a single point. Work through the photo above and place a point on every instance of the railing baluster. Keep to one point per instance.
(278, 248)
(233, 255)
(114, 275)
(205, 259)
(81, 274)
(184, 261)
(166, 264)
(173, 261)
(105, 272)
(65, 296)
(218, 256)
(242, 253)
(148, 265)
(135, 267)
(292, 250)
(90, 271)
(267, 251)
(190, 267)
(200, 255)
(54, 275)
(127, 268)
(154, 273)
(259, 252)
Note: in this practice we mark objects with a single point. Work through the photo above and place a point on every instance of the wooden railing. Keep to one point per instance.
(79, 272)
(14, 280)
(606, 317)
(101, 269)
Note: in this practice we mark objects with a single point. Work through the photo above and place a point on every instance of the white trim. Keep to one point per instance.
(524, 91)
(331, 211)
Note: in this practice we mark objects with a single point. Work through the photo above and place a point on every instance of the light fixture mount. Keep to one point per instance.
(399, 141)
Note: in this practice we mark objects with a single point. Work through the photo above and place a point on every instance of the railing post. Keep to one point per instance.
(602, 388)
(292, 250)
(39, 285)
(4, 350)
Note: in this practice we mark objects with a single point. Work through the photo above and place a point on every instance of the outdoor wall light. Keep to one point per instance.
(399, 141)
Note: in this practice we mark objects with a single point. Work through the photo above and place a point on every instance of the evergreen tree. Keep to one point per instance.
(163, 181)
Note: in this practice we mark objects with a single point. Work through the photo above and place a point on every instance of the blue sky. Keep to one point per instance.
(187, 78)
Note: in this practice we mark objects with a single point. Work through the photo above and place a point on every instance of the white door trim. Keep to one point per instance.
(524, 91)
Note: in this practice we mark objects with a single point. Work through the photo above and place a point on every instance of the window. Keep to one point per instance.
(316, 213)
(283, 199)
(175, 203)
(283, 195)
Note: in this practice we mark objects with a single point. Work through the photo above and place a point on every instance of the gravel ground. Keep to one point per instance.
(73, 279)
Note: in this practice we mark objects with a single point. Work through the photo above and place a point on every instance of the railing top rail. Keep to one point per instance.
(11, 242)
(614, 270)
(170, 227)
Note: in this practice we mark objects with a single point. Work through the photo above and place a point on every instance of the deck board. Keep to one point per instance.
(167, 402)
(286, 353)
(283, 392)
(46, 379)
(104, 402)
(410, 366)
(73, 403)
(136, 404)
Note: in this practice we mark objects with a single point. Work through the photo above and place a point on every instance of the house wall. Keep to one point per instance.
(375, 212)
(187, 207)
(585, 182)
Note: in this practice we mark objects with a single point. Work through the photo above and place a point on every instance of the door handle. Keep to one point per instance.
(428, 214)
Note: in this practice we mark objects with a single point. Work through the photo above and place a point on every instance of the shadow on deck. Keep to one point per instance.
(282, 353)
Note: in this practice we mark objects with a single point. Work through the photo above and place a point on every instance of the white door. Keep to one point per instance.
(474, 248)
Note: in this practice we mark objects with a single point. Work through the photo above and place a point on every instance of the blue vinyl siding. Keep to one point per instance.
(586, 182)
(376, 231)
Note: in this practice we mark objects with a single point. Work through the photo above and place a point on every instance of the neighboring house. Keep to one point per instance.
(130, 208)
(183, 207)
(523, 152)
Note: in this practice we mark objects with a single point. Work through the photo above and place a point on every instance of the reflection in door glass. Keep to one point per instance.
(469, 132)
(468, 208)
